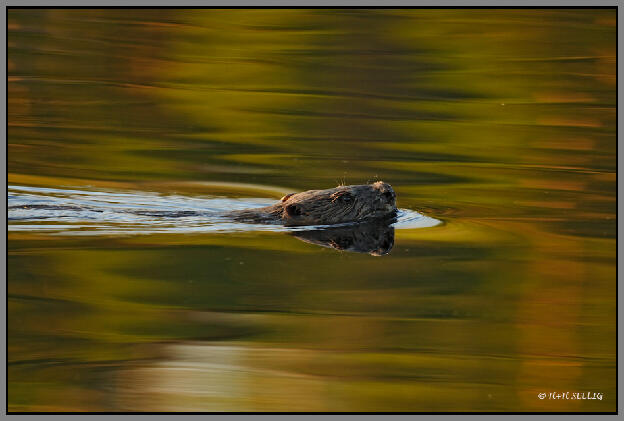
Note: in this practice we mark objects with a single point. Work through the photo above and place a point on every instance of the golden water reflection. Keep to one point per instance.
(500, 123)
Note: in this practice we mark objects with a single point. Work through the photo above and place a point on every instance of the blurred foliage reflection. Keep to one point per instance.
(499, 122)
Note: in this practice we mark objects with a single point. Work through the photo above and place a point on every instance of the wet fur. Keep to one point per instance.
(342, 204)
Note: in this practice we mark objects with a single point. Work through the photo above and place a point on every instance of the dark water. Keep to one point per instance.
(500, 124)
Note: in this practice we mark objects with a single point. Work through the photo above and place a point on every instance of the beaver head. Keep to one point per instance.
(339, 205)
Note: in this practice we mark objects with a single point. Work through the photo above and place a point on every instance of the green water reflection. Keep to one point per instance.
(501, 123)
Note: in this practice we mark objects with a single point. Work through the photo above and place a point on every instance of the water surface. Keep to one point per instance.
(499, 123)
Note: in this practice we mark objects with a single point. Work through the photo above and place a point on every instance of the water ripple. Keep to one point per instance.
(74, 211)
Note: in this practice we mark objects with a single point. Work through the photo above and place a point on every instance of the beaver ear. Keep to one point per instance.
(285, 198)
(293, 210)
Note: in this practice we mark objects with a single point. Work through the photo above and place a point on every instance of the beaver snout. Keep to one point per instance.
(387, 197)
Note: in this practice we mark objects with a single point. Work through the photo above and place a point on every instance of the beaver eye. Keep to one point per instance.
(388, 196)
(343, 196)
(346, 198)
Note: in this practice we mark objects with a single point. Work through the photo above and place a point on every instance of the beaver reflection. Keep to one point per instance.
(376, 239)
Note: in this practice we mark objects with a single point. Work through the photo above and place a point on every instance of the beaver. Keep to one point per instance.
(342, 204)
